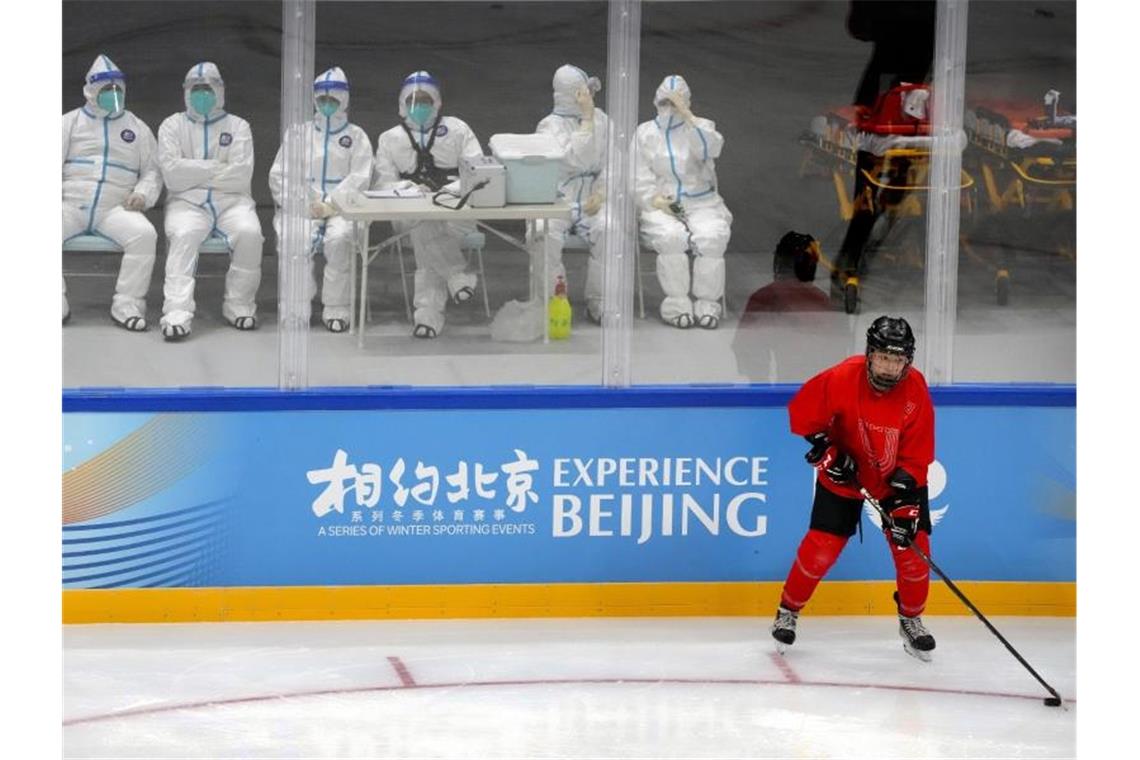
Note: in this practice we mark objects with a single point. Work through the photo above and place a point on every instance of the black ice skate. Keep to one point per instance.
(917, 641)
(784, 628)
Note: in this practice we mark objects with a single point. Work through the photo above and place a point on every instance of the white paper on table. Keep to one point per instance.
(407, 192)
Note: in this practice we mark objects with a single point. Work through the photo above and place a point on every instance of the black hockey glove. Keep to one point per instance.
(902, 507)
(837, 465)
(819, 445)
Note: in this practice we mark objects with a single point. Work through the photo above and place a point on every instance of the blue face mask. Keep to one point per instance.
(420, 114)
(110, 100)
(327, 106)
(203, 101)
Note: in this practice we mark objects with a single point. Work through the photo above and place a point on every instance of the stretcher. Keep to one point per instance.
(1026, 157)
(891, 183)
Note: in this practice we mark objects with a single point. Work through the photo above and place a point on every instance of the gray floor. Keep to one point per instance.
(1031, 339)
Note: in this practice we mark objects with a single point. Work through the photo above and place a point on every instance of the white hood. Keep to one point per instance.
(672, 83)
(204, 73)
(420, 81)
(568, 79)
(333, 82)
(102, 71)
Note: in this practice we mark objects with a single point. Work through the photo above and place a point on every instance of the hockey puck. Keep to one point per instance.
(1053, 701)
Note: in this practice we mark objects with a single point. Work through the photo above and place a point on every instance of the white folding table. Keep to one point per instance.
(367, 210)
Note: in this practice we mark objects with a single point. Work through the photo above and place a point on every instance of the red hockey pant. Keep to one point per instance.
(818, 552)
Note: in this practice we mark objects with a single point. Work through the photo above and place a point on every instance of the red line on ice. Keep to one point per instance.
(545, 682)
(785, 667)
(403, 672)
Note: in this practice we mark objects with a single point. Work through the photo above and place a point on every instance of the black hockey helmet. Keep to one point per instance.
(891, 335)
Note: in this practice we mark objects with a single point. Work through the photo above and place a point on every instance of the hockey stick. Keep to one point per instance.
(1053, 701)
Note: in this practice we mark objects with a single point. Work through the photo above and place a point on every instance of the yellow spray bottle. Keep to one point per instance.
(558, 312)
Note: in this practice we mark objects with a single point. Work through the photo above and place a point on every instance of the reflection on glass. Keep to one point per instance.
(1017, 291)
(176, 214)
(823, 116)
(889, 131)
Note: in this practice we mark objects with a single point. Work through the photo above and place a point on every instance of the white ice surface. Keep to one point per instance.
(622, 688)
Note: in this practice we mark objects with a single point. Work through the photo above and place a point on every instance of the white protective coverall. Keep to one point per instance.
(676, 162)
(341, 164)
(107, 157)
(207, 164)
(440, 266)
(582, 175)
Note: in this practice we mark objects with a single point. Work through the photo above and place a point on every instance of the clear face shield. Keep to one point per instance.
(885, 369)
(421, 108)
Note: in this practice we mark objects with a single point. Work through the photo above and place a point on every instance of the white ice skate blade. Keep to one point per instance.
(918, 654)
(781, 648)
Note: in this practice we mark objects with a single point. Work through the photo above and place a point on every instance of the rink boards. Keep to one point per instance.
(251, 505)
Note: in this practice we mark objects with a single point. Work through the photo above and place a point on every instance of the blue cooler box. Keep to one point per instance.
(533, 162)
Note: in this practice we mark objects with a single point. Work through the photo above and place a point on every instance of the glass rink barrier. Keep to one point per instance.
(585, 193)
(171, 117)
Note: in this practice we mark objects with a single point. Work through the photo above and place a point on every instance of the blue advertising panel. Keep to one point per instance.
(457, 496)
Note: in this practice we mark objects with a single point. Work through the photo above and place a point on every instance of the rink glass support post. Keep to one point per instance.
(622, 80)
(298, 49)
(944, 199)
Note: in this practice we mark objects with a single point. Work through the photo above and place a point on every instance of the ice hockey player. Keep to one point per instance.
(870, 423)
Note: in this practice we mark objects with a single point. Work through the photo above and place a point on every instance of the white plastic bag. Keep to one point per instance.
(518, 322)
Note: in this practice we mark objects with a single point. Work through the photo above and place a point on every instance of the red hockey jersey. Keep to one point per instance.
(881, 431)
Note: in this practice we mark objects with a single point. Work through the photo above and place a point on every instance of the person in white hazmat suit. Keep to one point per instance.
(206, 155)
(582, 130)
(110, 175)
(424, 150)
(682, 213)
(341, 165)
